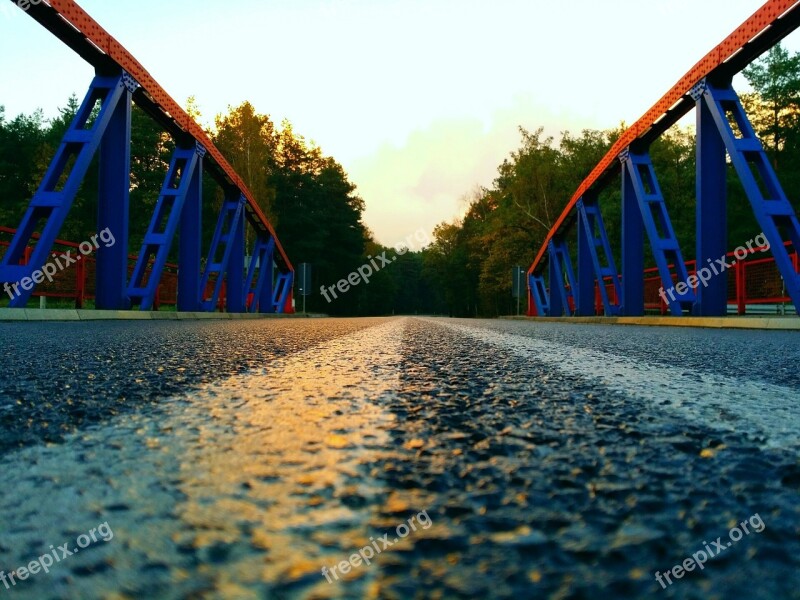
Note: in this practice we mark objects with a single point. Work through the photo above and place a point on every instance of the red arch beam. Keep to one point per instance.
(765, 28)
(75, 27)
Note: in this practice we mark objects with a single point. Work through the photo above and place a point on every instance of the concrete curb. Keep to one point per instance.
(772, 323)
(58, 314)
(39, 315)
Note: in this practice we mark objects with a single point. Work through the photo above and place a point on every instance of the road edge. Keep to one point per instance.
(38, 315)
(790, 323)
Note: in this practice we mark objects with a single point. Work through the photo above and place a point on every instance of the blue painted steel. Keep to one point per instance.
(51, 203)
(266, 300)
(562, 279)
(190, 247)
(114, 204)
(593, 238)
(632, 248)
(586, 276)
(186, 164)
(772, 208)
(260, 272)
(640, 179)
(555, 299)
(538, 291)
(712, 214)
(226, 236)
(235, 275)
(283, 285)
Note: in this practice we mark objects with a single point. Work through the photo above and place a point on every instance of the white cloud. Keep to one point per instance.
(423, 181)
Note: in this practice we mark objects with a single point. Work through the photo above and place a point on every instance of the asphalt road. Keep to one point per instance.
(462, 459)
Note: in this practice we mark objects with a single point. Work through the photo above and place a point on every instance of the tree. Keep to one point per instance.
(248, 141)
(22, 163)
(446, 265)
(774, 109)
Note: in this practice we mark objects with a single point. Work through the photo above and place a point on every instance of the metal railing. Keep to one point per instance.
(77, 282)
(753, 282)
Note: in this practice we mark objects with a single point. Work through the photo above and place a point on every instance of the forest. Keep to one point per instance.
(466, 269)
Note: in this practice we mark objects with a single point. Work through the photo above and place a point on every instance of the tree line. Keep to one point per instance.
(471, 259)
(466, 268)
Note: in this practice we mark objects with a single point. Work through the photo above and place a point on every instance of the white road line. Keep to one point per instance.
(736, 404)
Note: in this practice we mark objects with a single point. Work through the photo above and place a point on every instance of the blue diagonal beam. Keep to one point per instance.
(593, 240)
(283, 286)
(562, 279)
(771, 207)
(538, 291)
(260, 273)
(640, 177)
(186, 165)
(51, 203)
(226, 236)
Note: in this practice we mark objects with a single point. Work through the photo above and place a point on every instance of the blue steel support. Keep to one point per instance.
(235, 276)
(632, 248)
(586, 274)
(594, 239)
(562, 289)
(164, 224)
(712, 213)
(266, 300)
(259, 271)
(51, 203)
(191, 245)
(642, 182)
(113, 205)
(231, 217)
(772, 208)
(283, 286)
(538, 290)
(555, 300)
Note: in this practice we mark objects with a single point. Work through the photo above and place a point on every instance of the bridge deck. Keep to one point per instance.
(237, 459)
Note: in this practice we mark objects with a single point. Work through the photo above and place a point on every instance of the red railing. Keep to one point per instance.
(755, 280)
(77, 282)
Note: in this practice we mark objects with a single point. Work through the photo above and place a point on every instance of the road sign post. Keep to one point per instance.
(517, 285)
(305, 282)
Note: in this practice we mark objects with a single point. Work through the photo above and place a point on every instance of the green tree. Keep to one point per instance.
(151, 152)
(446, 264)
(22, 143)
(247, 139)
(774, 109)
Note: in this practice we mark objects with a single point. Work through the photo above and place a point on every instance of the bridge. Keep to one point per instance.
(103, 125)
(399, 457)
(557, 288)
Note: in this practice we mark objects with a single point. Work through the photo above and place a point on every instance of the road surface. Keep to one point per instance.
(460, 459)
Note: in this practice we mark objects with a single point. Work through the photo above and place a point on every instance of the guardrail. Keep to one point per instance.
(77, 282)
(751, 282)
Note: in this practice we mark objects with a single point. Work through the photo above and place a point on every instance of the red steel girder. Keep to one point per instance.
(766, 27)
(76, 28)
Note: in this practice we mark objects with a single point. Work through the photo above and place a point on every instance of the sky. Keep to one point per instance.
(420, 101)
